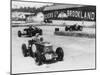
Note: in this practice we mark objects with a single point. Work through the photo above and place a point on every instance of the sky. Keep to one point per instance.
(18, 4)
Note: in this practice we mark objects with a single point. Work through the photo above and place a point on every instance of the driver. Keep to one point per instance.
(37, 38)
(30, 27)
(76, 25)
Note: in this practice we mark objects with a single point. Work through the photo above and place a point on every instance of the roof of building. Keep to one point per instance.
(55, 7)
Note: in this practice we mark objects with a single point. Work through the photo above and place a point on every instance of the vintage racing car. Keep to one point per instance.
(73, 28)
(44, 53)
(30, 31)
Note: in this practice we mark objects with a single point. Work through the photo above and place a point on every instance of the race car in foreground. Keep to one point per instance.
(73, 28)
(30, 31)
(44, 53)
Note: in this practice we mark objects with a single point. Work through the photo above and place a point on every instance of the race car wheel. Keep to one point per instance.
(19, 33)
(38, 60)
(24, 50)
(60, 53)
(66, 28)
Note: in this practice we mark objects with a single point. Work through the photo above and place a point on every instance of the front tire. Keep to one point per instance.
(60, 53)
(38, 60)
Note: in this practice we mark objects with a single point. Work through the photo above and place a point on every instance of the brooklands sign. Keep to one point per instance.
(71, 15)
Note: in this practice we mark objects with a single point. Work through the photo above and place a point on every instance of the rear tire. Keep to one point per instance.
(24, 50)
(66, 28)
(60, 53)
(19, 34)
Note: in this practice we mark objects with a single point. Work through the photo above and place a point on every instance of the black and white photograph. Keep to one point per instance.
(52, 37)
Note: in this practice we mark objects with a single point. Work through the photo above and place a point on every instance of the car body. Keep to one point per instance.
(30, 31)
(73, 28)
(44, 53)
(56, 29)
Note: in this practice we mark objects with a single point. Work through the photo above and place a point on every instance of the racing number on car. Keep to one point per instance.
(48, 56)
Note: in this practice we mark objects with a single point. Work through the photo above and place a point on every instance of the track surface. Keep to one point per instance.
(79, 53)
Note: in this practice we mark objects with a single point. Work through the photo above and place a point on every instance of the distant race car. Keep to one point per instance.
(30, 31)
(56, 29)
(74, 28)
(44, 53)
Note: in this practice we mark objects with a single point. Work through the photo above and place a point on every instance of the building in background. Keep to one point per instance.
(70, 14)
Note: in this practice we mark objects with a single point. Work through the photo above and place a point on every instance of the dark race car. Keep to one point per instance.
(74, 28)
(67, 28)
(30, 31)
(44, 53)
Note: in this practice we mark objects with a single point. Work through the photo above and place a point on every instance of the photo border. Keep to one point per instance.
(50, 71)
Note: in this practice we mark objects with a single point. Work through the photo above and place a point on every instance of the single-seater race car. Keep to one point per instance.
(44, 53)
(73, 28)
(30, 31)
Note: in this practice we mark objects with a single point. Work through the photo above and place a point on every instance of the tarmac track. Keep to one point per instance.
(79, 53)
